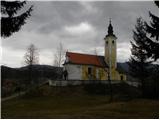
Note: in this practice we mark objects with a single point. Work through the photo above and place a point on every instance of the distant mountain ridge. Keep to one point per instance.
(40, 70)
(52, 72)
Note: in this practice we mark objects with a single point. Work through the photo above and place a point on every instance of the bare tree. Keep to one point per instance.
(31, 57)
(59, 56)
(95, 52)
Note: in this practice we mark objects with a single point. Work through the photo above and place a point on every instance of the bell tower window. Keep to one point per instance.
(113, 42)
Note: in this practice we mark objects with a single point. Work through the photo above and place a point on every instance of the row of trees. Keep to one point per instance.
(32, 55)
(145, 50)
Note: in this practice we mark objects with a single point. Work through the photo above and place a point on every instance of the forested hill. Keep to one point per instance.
(47, 71)
(40, 71)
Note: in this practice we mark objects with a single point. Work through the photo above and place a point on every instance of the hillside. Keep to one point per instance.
(75, 102)
(45, 71)
(18, 79)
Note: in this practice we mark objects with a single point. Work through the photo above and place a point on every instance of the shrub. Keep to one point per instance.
(96, 88)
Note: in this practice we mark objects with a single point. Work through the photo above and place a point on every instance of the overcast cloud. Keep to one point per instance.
(79, 26)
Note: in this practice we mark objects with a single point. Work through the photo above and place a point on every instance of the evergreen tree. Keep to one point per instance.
(10, 21)
(152, 46)
(138, 62)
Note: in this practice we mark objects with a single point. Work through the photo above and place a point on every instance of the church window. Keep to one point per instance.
(113, 42)
(121, 77)
(89, 70)
(107, 42)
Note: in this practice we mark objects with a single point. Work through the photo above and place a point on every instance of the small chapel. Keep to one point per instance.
(94, 67)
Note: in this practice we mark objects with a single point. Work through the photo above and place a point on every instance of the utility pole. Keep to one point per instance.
(109, 74)
(110, 87)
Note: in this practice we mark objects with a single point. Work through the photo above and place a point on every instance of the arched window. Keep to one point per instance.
(121, 77)
(106, 42)
(113, 42)
(89, 70)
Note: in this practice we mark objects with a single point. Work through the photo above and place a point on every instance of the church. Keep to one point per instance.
(94, 67)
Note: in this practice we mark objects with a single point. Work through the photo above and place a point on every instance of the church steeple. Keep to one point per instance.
(110, 28)
(110, 49)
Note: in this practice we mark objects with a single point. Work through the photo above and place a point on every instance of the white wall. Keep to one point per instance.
(74, 71)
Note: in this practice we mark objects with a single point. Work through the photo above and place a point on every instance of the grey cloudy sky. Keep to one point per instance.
(79, 26)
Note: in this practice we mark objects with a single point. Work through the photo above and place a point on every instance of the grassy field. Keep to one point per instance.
(75, 105)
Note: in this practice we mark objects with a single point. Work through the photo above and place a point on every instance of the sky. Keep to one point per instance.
(79, 25)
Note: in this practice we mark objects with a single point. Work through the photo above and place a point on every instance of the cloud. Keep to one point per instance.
(46, 60)
(79, 29)
(123, 52)
(88, 7)
(12, 57)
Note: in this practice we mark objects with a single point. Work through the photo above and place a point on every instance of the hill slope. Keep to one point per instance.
(74, 102)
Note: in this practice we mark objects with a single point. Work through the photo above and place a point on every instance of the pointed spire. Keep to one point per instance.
(109, 20)
(110, 28)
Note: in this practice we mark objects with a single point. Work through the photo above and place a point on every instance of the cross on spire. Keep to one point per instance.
(109, 20)
(110, 28)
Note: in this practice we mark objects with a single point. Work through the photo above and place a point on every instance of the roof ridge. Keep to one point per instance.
(85, 54)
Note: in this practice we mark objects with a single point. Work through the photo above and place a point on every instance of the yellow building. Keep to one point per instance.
(94, 67)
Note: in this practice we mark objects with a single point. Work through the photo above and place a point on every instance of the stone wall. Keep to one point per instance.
(82, 82)
(79, 82)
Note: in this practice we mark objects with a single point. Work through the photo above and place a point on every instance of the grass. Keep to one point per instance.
(69, 103)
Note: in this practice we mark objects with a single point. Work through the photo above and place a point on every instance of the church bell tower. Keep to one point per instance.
(110, 48)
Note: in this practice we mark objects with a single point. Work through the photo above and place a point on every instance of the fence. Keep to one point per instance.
(79, 82)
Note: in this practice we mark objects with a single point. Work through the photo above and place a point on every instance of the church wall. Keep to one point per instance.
(122, 76)
(97, 73)
(102, 74)
(119, 76)
(74, 71)
(84, 72)
(115, 75)
(80, 72)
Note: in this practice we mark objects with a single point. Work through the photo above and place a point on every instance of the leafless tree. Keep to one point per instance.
(95, 52)
(59, 56)
(31, 57)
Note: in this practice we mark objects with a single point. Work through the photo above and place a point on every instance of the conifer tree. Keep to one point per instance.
(138, 62)
(10, 21)
(152, 43)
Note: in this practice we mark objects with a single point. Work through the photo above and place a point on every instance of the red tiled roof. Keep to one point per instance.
(78, 58)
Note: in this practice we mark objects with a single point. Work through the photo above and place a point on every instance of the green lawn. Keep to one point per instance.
(78, 106)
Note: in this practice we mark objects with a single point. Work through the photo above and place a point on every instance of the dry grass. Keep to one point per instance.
(77, 106)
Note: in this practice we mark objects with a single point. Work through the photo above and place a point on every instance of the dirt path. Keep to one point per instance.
(12, 96)
(19, 94)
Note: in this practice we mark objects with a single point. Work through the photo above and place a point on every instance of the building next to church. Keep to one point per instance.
(94, 67)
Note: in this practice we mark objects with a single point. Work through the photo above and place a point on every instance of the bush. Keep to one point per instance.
(96, 88)
(151, 89)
